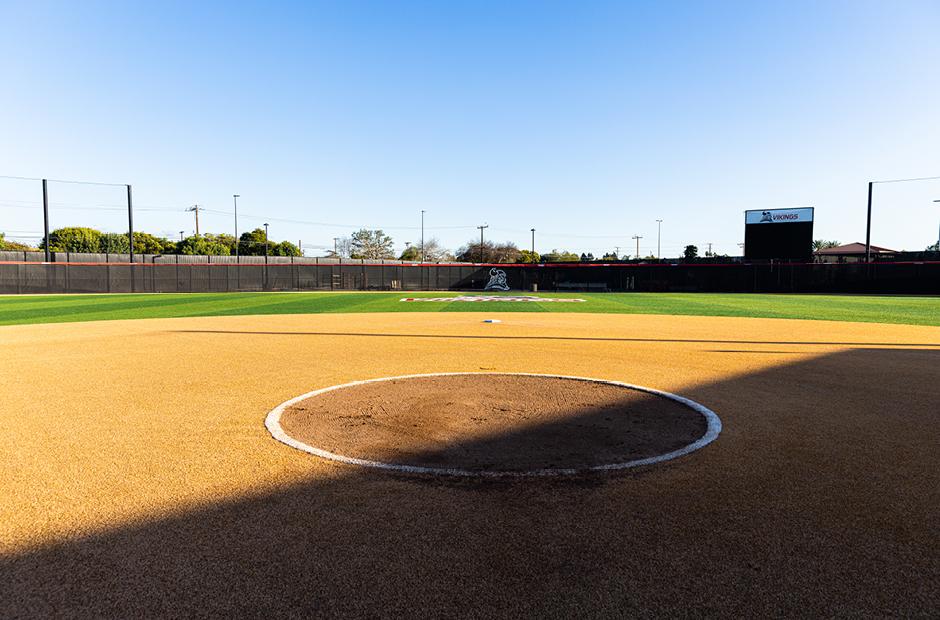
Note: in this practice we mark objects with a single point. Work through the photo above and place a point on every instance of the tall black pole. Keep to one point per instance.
(130, 233)
(422, 236)
(868, 227)
(45, 215)
(533, 240)
(235, 198)
(130, 221)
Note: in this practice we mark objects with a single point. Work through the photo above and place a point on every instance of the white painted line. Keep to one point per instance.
(713, 429)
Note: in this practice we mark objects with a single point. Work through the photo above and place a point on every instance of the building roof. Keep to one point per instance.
(855, 248)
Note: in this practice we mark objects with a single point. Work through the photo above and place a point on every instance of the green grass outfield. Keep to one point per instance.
(16, 310)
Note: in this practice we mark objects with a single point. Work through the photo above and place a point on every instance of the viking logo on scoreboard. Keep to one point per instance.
(779, 216)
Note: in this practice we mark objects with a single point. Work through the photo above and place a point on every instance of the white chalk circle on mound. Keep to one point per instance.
(713, 428)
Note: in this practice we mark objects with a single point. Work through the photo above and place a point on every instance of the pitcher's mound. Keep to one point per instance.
(489, 424)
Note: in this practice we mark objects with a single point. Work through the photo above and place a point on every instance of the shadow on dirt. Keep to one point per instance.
(819, 498)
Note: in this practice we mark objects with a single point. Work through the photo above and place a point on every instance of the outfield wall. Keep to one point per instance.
(157, 277)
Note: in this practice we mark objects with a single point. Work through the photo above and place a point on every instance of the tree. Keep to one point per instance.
(203, 245)
(285, 248)
(73, 239)
(114, 243)
(371, 245)
(822, 244)
(434, 253)
(145, 243)
(252, 242)
(491, 252)
(690, 252)
(13, 246)
(934, 248)
(559, 257)
(411, 253)
(528, 256)
(587, 257)
(610, 256)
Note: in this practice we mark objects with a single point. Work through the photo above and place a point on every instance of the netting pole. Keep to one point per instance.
(45, 215)
(130, 234)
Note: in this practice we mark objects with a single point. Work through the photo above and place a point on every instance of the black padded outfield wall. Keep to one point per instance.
(898, 278)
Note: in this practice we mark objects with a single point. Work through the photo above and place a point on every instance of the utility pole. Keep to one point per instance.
(637, 237)
(481, 240)
(659, 236)
(235, 197)
(181, 235)
(195, 209)
(422, 236)
(709, 248)
(45, 215)
(533, 240)
(617, 251)
(335, 250)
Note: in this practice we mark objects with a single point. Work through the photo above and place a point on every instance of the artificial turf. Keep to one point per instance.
(16, 310)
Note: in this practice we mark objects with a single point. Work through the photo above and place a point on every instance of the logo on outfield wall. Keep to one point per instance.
(497, 281)
(766, 217)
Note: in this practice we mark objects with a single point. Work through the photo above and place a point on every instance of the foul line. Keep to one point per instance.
(273, 423)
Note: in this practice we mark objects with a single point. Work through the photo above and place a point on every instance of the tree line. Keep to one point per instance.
(90, 240)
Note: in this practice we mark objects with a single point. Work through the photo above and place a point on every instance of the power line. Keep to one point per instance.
(906, 180)
(6, 176)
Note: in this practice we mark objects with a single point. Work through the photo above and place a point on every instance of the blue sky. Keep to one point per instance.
(585, 120)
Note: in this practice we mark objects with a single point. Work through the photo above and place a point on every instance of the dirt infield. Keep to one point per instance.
(139, 478)
(493, 423)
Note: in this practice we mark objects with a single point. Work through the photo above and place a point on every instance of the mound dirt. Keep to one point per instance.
(487, 422)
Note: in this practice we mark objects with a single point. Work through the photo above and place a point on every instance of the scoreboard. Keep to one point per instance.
(784, 234)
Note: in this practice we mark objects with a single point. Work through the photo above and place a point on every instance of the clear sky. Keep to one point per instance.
(585, 120)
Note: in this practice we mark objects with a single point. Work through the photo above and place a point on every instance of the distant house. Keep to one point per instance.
(849, 253)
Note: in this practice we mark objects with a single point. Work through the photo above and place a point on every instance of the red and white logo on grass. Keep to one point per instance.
(502, 298)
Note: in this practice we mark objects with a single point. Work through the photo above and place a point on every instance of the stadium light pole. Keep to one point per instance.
(533, 240)
(659, 236)
(265, 242)
(422, 236)
(481, 241)
(235, 197)
(335, 248)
